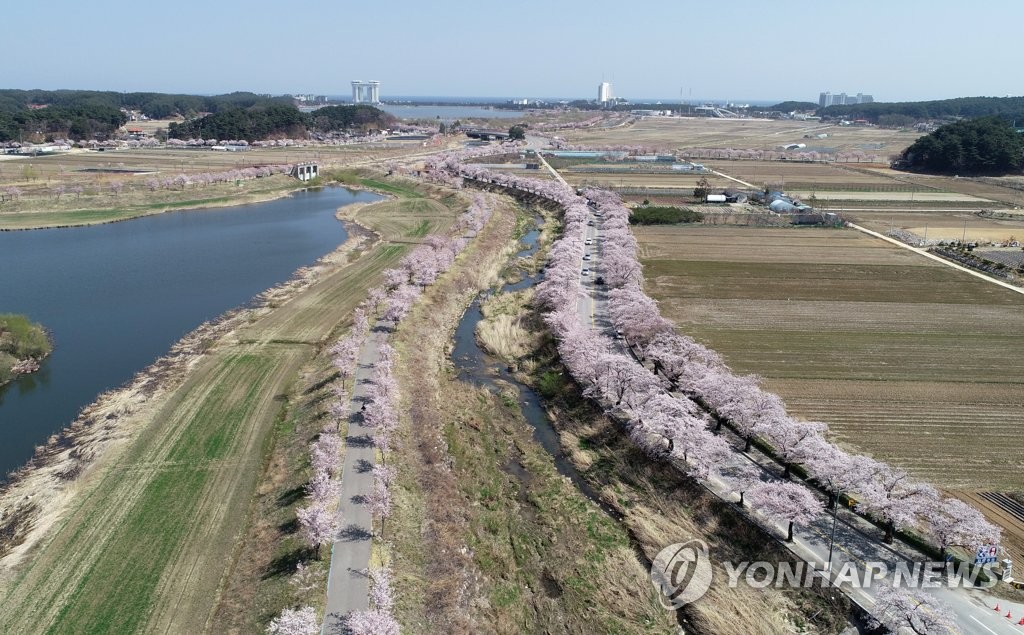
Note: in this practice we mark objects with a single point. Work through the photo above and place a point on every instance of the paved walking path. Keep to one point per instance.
(347, 581)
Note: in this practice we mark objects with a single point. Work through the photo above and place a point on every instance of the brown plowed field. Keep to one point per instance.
(904, 359)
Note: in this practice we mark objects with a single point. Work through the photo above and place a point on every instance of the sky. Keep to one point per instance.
(896, 50)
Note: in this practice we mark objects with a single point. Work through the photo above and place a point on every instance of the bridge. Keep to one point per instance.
(487, 135)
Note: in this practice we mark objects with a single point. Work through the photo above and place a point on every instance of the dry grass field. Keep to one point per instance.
(153, 535)
(41, 204)
(692, 132)
(904, 358)
(949, 225)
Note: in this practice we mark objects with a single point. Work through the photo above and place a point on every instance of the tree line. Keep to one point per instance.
(1009, 108)
(988, 145)
(85, 114)
(263, 121)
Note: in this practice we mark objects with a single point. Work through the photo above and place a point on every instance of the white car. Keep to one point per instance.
(586, 256)
(586, 272)
(588, 242)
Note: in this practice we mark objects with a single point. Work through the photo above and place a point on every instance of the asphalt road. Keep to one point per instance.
(856, 541)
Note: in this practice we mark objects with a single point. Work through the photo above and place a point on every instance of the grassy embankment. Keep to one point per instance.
(20, 339)
(39, 179)
(188, 513)
(658, 505)
(486, 535)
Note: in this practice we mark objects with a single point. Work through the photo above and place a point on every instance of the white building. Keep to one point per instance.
(604, 93)
(365, 92)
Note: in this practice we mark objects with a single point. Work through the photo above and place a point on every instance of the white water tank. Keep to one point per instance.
(716, 198)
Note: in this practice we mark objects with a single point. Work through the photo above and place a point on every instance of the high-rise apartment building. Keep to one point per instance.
(365, 92)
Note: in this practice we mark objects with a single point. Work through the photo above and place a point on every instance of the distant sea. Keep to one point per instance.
(448, 108)
(448, 99)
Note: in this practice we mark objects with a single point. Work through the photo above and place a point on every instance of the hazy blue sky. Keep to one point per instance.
(786, 49)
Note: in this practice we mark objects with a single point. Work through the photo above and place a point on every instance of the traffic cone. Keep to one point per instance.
(1021, 622)
(1008, 616)
(997, 609)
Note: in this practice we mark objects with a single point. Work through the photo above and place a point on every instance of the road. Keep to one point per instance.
(347, 580)
(856, 541)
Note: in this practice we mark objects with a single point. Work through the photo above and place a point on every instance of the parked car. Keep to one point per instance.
(586, 272)
(586, 256)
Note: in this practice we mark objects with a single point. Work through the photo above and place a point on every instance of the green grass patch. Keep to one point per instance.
(401, 191)
(655, 215)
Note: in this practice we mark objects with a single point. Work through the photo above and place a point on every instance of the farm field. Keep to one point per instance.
(948, 225)
(691, 132)
(903, 358)
(157, 526)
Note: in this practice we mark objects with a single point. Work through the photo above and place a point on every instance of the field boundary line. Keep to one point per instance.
(926, 254)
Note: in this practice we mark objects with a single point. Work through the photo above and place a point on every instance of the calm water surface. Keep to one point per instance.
(116, 297)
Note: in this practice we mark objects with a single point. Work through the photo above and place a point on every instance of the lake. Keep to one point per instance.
(116, 297)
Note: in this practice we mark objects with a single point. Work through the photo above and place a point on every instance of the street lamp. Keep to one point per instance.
(832, 537)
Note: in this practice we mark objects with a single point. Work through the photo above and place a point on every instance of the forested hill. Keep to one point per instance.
(273, 120)
(85, 114)
(988, 145)
(790, 106)
(906, 113)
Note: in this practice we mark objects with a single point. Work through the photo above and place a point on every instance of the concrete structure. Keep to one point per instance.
(365, 92)
(604, 92)
(305, 171)
(842, 99)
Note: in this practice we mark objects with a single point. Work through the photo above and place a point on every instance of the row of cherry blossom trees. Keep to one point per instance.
(392, 301)
(855, 156)
(680, 393)
(182, 181)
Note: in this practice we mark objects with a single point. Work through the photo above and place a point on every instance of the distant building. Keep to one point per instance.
(604, 93)
(365, 92)
(827, 99)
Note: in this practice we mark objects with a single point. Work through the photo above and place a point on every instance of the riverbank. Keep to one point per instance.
(486, 534)
(653, 504)
(23, 345)
(157, 477)
(137, 205)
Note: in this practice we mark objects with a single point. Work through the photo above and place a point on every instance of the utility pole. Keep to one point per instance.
(832, 538)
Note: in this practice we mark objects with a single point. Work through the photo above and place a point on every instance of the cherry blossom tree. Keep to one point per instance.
(371, 622)
(318, 525)
(833, 469)
(302, 621)
(893, 497)
(902, 610)
(951, 521)
(792, 441)
(785, 501)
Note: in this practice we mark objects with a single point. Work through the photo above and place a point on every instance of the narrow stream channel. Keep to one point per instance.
(474, 365)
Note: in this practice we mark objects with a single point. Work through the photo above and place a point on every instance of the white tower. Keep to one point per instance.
(604, 93)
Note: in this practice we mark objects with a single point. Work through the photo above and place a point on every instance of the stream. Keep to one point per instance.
(475, 365)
